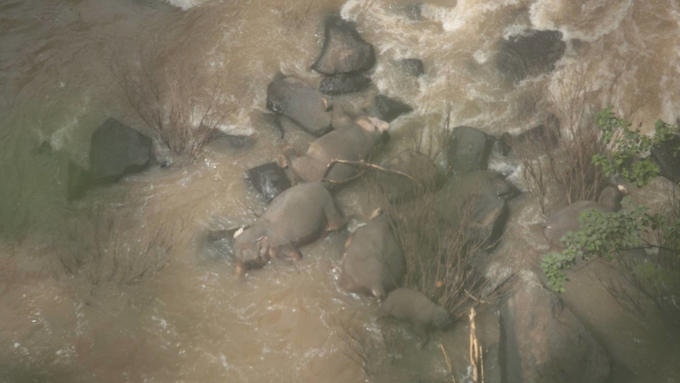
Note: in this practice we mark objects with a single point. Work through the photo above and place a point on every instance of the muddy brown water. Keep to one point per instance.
(192, 320)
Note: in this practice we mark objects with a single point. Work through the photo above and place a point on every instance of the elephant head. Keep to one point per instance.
(251, 249)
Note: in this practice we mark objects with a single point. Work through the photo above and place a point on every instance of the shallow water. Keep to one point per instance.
(193, 320)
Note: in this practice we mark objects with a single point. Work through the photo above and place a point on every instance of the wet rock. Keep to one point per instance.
(417, 165)
(344, 51)
(544, 342)
(487, 219)
(307, 107)
(387, 109)
(219, 244)
(546, 135)
(344, 83)
(529, 54)
(469, 149)
(79, 181)
(412, 67)
(117, 150)
(269, 180)
(669, 163)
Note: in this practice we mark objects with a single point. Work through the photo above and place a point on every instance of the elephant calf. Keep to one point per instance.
(296, 217)
(351, 140)
(414, 307)
(374, 263)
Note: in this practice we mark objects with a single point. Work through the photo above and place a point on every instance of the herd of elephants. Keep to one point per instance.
(300, 187)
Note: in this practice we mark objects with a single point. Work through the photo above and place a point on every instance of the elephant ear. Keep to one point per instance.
(263, 246)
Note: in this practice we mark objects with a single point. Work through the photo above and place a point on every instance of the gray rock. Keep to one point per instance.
(546, 135)
(669, 163)
(307, 107)
(469, 149)
(268, 179)
(344, 83)
(529, 54)
(117, 150)
(343, 51)
(412, 67)
(388, 109)
(544, 342)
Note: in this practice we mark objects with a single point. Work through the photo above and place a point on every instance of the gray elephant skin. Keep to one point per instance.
(414, 307)
(351, 140)
(296, 217)
(374, 262)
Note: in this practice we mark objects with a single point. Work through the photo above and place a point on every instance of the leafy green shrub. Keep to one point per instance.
(612, 234)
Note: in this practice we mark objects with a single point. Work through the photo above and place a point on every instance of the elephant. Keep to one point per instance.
(566, 219)
(293, 98)
(295, 217)
(414, 307)
(351, 140)
(374, 262)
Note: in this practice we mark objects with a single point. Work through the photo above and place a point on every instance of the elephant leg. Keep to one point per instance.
(243, 267)
(335, 219)
(289, 252)
(420, 332)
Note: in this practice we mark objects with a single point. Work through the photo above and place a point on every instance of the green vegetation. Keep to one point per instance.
(635, 227)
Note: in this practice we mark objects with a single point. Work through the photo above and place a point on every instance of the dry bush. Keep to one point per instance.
(179, 99)
(360, 346)
(110, 249)
(439, 255)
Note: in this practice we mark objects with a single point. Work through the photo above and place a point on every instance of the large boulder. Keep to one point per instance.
(343, 51)
(669, 162)
(469, 149)
(545, 136)
(387, 109)
(487, 218)
(117, 150)
(412, 67)
(269, 180)
(417, 165)
(307, 107)
(344, 83)
(544, 342)
(529, 53)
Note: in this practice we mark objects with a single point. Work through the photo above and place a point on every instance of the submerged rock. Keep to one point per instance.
(117, 150)
(307, 107)
(344, 50)
(469, 149)
(529, 54)
(268, 179)
(79, 180)
(669, 162)
(344, 83)
(388, 109)
(417, 165)
(413, 12)
(545, 135)
(544, 342)
(219, 244)
(412, 67)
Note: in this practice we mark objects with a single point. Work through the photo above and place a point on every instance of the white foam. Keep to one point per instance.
(186, 4)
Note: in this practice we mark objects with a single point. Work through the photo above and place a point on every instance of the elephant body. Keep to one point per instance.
(374, 262)
(566, 220)
(414, 307)
(294, 218)
(352, 140)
